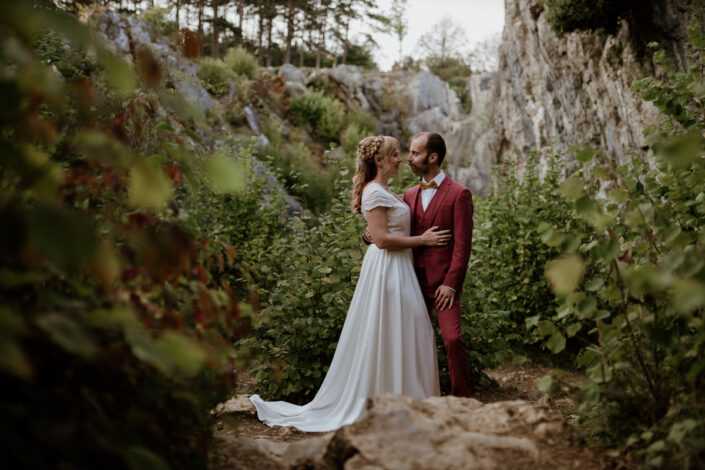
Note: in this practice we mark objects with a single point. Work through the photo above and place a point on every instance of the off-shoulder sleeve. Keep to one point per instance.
(375, 196)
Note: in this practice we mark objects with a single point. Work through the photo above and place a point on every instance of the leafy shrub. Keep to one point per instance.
(116, 312)
(157, 19)
(644, 238)
(357, 125)
(455, 72)
(215, 76)
(351, 136)
(306, 301)
(566, 16)
(505, 287)
(295, 167)
(240, 61)
(364, 121)
(55, 50)
(323, 113)
(244, 90)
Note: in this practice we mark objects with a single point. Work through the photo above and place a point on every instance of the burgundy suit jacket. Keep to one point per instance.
(450, 209)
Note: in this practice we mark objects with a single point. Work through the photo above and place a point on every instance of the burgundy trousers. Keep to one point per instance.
(458, 359)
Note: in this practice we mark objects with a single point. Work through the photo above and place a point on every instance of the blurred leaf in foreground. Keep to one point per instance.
(226, 175)
(149, 185)
(564, 273)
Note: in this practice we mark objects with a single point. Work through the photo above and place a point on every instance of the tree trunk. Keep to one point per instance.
(321, 46)
(289, 32)
(301, 54)
(260, 33)
(178, 8)
(200, 21)
(240, 18)
(346, 43)
(214, 36)
(269, 41)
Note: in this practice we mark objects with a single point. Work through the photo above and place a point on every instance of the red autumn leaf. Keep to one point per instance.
(200, 273)
(175, 174)
(190, 44)
(148, 66)
(129, 273)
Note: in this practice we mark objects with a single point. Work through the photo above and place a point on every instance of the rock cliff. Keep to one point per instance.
(548, 89)
(568, 90)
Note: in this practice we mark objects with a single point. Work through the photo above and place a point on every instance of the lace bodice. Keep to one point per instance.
(398, 213)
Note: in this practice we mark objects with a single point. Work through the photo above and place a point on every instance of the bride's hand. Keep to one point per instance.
(435, 237)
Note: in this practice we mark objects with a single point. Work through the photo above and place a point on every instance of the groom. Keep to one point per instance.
(439, 201)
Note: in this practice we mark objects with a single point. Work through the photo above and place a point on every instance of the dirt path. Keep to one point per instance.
(512, 382)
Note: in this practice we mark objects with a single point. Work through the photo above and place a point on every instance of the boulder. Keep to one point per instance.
(426, 91)
(397, 432)
(292, 74)
(293, 89)
(140, 32)
(433, 119)
(350, 76)
(194, 92)
(252, 118)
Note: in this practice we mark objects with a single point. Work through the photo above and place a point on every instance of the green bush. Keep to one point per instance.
(215, 76)
(357, 125)
(505, 286)
(244, 89)
(644, 240)
(157, 19)
(115, 300)
(323, 113)
(364, 121)
(455, 72)
(351, 136)
(310, 278)
(294, 165)
(566, 16)
(240, 61)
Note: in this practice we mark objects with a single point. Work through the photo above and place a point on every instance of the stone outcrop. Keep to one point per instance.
(397, 432)
(549, 90)
(126, 34)
(575, 89)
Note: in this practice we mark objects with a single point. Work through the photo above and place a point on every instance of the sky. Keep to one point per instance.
(480, 18)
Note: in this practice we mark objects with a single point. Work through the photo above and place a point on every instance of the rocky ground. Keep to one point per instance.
(507, 425)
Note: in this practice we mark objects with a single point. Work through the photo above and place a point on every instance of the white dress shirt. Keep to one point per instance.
(427, 194)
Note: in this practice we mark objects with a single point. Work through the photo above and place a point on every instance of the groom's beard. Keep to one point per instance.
(420, 169)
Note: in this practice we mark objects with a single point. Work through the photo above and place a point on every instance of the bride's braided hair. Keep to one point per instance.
(367, 150)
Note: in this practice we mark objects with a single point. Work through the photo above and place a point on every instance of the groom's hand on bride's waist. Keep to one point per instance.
(367, 236)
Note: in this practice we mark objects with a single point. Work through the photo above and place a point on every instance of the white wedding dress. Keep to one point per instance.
(387, 343)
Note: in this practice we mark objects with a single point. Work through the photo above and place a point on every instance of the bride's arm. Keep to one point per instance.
(377, 223)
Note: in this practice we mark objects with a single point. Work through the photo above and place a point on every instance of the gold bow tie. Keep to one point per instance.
(425, 185)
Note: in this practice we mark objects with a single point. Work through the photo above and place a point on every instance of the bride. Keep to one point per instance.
(387, 343)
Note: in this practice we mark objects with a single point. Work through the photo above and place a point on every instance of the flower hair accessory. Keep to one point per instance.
(367, 150)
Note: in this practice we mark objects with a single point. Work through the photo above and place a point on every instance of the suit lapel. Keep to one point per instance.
(414, 203)
(437, 200)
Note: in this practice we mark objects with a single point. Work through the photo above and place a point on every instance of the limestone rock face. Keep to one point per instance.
(570, 90)
(397, 432)
(403, 103)
(292, 74)
(470, 159)
(426, 91)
